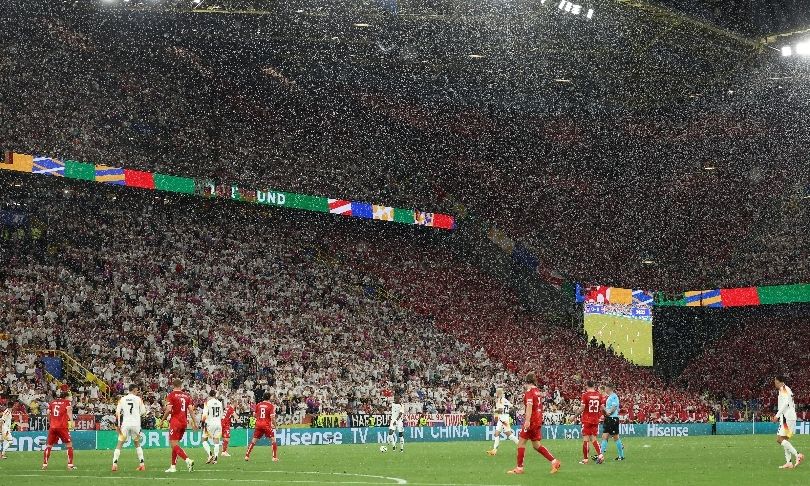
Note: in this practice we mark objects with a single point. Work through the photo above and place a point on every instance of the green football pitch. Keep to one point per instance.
(719, 460)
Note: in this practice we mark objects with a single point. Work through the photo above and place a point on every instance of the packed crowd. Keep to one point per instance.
(316, 124)
(752, 357)
(475, 308)
(240, 305)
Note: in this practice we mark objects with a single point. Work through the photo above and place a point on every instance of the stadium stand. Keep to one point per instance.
(137, 285)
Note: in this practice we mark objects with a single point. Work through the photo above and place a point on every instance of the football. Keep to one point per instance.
(383, 449)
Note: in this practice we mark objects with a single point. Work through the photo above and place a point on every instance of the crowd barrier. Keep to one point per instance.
(154, 439)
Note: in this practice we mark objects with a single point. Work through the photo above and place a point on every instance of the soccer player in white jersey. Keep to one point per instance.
(786, 417)
(503, 421)
(5, 432)
(128, 416)
(212, 417)
(397, 416)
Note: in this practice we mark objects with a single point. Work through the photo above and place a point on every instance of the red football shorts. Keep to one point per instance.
(534, 433)
(226, 432)
(590, 429)
(55, 435)
(263, 432)
(176, 432)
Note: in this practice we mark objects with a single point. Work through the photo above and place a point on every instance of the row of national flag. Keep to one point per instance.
(731, 297)
(71, 169)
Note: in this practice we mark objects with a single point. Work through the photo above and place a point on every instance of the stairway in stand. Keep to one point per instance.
(73, 373)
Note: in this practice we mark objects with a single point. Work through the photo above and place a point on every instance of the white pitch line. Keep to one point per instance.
(276, 471)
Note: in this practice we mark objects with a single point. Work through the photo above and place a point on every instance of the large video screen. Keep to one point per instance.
(625, 328)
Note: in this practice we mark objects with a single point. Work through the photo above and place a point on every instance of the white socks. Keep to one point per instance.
(790, 451)
(513, 438)
(497, 442)
(216, 450)
(207, 447)
(117, 455)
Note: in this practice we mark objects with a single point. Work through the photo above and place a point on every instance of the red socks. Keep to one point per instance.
(585, 450)
(70, 455)
(275, 450)
(225, 445)
(545, 453)
(597, 448)
(250, 449)
(181, 453)
(521, 455)
(46, 455)
(174, 456)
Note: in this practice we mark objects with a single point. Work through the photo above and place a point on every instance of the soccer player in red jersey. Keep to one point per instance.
(226, 428)
(60, 413)
(591, 409)
(180, 406)
(532, 426)
(265, 416)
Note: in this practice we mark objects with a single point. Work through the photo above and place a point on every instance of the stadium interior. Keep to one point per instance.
(630, 144)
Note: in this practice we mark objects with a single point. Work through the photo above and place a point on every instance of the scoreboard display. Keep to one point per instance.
(627, 329)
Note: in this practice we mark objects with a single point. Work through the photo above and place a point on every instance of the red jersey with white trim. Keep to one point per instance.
(226, 420)
(265, 414)
(58, 414)
(592, 407)
(534, 398)
(181, 404)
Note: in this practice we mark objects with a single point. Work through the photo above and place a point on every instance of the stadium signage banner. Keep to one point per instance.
(71, 169)
(154, 439)
(158, 439)
(35, 441)
(366, 420)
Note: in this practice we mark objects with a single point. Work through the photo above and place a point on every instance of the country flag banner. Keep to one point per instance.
(82, 171)
(422, 219)
(382, 213)
(444, 221)
(597, 294)
(110, 175)
(550, 276)
(48, 166)
(104, 174)
(618, 295)
(703, 298)
(137, 178)
(340, 206)
(500, 238)
(642, 297)
(17, 162)
(362, 210)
